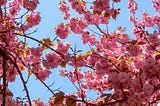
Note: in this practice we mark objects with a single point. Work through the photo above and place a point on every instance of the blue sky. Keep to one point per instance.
(51, 17)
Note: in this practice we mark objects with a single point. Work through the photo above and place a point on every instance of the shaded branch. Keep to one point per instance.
(4, 79)
(22, 79)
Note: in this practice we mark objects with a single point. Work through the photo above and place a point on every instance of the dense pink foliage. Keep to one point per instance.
(128, 67)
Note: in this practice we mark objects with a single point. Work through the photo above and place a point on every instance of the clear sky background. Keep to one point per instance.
(51, 17)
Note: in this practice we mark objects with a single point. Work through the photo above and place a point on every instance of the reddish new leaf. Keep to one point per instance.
(59, 97)
(71, 101)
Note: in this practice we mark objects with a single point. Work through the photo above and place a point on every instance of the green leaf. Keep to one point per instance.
(59, 97)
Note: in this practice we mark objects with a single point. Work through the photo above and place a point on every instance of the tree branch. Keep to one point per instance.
(4, 79)
(23, 81)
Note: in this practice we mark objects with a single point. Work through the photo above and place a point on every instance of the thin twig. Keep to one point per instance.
(94, 31)
(100, 30)
(39, 42)
(45, 85)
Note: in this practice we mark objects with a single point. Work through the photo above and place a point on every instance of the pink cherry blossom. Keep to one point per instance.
(76, 76)
(147, 20)
(3, 2)
(33, 19)
(30, 5)
(154, 38)
(86, 37)
(148, 88)
(36, 52)
(39, 102)
(43, 74)
(149, 67)
(134, 50)
(65, 10)
(62, 48)
(52, 60)
(155, 4)
(62, 31)
(128, 65)
(156, 20)
(10, 102)
(124, 78)
(101, 5)
(11, 73)
(88, 17)
(102, 67)
(94, 57)
(78, 61)
(132, 6)
(131, 101)
(63, 7)
(14, 7)
(77, 25)
(80, 8)
(138, 62)
(71, 1)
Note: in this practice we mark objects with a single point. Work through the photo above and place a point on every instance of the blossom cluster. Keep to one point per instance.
(62, 31)
(65, 9)
(127, 66)
(130, 68)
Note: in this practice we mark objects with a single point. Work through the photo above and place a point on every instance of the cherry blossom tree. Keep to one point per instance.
(128, 67)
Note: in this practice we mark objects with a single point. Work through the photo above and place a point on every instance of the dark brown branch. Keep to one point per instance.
(23, 81)
(77, 77)
(4, 80)
(45, 85)
(151, 103)
(100, 29)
